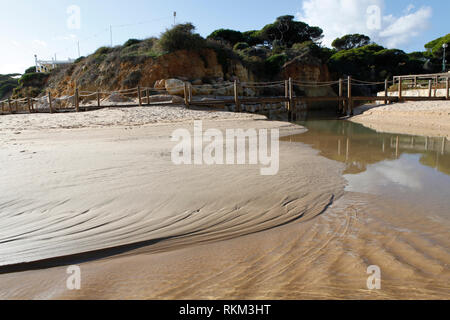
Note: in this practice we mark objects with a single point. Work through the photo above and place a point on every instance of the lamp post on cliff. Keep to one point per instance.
(444, 61)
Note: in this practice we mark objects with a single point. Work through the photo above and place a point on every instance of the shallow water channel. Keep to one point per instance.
(413, 169)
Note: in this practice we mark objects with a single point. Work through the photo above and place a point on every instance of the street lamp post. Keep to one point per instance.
(444, 61)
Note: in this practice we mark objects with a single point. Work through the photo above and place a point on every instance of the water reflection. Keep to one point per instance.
(358, 146)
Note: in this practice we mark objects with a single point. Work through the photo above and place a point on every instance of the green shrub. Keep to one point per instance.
(7, 88)
(33, 79)
(79, 59)
(252, 37)
(230, 36)
(181, 37)
(309, 48)
(223, 52)
(103, 51)
(275, 63)
(240, 46)
(31, 70)
(131, 42)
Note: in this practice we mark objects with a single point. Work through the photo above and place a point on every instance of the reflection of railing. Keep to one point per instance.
(421, 144)
(241, 95)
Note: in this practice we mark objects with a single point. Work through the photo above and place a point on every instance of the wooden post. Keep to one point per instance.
(32, 105)
(147, 93)
(98, 99)
(286, 93)
(415, 82)
(350, 99)
(186, 94)
(447, 87)
(190, 93)
(429, 88)
(386, 93)
(9, 105)
(236, 96)
(77, 101)
(397, 147)
(291, 99)
(16, 106)
(139, 95)
(29, 104)
(50, 102)
(341, 94)
(400, 89)
(294, 113)
(436, 82)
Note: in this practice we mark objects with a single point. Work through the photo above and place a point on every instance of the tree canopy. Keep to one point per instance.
(351, 41)
(230, 36)
(285, 31)
(435, 46)
(374, 62)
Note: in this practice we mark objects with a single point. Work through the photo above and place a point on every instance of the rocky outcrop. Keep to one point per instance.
(113, 73)
(310, 70)
(169, 72)
(307, 71)
(174, 86)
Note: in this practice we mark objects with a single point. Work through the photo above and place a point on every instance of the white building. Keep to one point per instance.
(49, 65)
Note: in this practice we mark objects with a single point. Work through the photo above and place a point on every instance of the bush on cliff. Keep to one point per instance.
(8, 82)
(31, 70)
(240, 46)
(31, 85)
(181, 37)
(275, 63)
(230, 36)
(131, 42)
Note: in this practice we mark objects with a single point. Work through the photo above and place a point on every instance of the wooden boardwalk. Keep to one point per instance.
(289, 101)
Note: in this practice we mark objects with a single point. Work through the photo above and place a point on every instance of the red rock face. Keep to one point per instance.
(306, 72)
(111, 74)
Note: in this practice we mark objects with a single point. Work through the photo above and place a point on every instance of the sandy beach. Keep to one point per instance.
(429, 118)
(99, 190)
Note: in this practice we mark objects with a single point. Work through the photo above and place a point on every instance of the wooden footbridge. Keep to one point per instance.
(285, 98)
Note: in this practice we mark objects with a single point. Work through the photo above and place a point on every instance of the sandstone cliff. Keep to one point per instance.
(203, 68)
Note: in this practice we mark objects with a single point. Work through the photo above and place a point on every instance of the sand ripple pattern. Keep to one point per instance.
(62, 197)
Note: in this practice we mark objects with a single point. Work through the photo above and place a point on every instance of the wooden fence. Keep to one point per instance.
(291, 102)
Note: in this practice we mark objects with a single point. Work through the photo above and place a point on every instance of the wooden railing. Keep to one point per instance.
(286, 89)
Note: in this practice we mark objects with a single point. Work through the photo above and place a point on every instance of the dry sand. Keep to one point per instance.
(426, 118)
(108, 117)
(203, 232)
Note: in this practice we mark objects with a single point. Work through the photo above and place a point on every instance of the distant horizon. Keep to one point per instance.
(403, 24)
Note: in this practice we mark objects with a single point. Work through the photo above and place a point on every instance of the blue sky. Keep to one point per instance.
(47, 27)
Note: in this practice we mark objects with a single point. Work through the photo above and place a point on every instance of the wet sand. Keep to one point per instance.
(202, 232)
(427, 118)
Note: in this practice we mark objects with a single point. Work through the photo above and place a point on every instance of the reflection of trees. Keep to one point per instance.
(358, 146)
